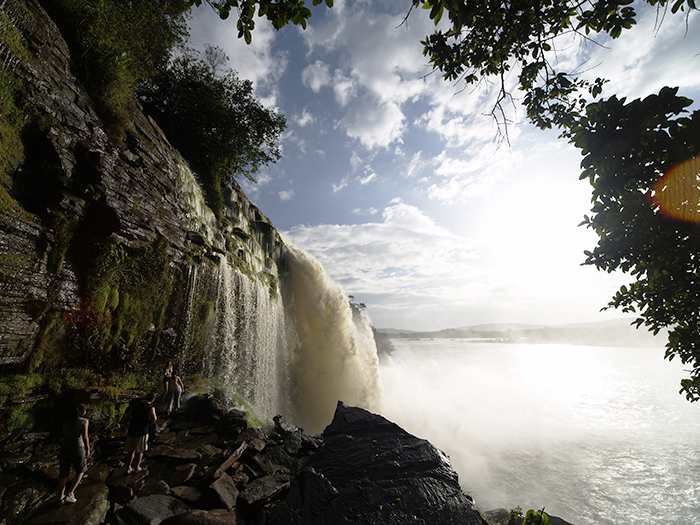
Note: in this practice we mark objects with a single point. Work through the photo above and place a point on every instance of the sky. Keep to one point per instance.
(399, 184)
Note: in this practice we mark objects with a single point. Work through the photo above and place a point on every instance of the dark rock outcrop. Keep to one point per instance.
(370, 470)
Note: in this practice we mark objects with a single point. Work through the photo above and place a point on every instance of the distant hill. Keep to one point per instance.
(618, 332)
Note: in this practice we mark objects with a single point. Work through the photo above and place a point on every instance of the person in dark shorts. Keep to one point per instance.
(75, 449)
(140, 414)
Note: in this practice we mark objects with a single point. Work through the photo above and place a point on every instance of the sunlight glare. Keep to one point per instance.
(677, 193)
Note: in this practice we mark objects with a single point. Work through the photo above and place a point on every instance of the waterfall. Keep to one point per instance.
(251, 352)
(295, 355)
(282, 344)
(334, 356)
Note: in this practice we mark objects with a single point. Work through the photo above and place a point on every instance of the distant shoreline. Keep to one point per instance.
(618, 333)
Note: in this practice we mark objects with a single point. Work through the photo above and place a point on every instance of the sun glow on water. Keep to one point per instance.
(597, 435)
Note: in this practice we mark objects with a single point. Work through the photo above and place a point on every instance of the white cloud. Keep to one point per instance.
(413, 273)
(416, 164)
(382, 75)
(255, 62)
(296, 143)
(316, 76)
(368, 178)
(345, 88)
(305, 119)
(286, 195)
(374, 88)
(364, 212)
(459, 176)
(339, 186)
(658, 51)
(355, 161)
(373, 123)
(371, 86)
(403, 254)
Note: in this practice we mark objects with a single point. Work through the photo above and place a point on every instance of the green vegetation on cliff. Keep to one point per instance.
(126, 296)
(116, 44)
(213, 119)
(210, 116)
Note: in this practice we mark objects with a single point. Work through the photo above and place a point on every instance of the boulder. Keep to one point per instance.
(263, 490)
(370, 470)
(153, 486)
(121, 494)
(209, 450)
(189, 494)
(291, 435)
(297, 508)
(91, 508)
(202, 517)
(230, 460)
(145, 511)
(180, 474)
(183, 455)
(278, 458)
(226, 489)
(208, 409)
(231, 424)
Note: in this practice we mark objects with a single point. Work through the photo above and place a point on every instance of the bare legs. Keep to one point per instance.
(71, 490)
(129, 460)
(74, 485)
(62, 487)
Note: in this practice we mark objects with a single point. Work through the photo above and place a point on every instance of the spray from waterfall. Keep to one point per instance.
(334, 356)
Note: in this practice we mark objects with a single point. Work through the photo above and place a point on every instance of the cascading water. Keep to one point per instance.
(334, 357)
(250, 353)
(289, 346)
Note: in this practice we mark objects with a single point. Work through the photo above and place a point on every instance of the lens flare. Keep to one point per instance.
(678, 192)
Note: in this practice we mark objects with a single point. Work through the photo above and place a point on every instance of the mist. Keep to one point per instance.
(581, 430)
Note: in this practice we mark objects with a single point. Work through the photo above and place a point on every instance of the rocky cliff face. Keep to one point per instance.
(101, 244)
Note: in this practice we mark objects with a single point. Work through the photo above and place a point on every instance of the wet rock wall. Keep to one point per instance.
(80, 215)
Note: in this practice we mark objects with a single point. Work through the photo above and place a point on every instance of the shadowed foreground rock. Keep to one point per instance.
(210, 467)
(370, 470)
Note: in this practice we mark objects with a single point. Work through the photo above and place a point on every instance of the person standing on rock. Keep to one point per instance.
(167, 375)
(140, 414)
(75, 449)
(174, 391)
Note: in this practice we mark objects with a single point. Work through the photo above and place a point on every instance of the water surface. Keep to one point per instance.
(596, 435)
